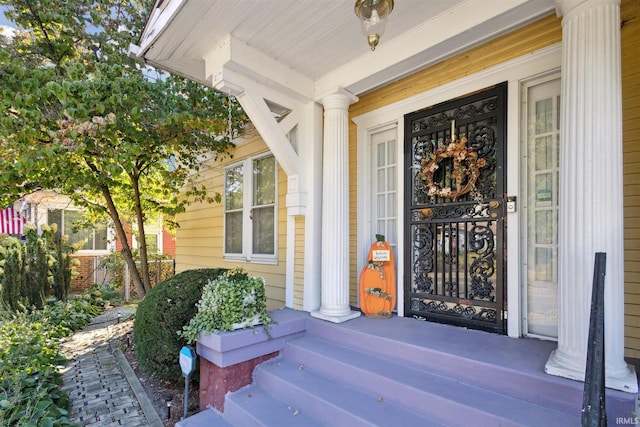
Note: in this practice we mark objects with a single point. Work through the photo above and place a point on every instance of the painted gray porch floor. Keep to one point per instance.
(486, 362)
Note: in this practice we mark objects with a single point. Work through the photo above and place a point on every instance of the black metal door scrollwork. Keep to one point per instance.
(455, 225)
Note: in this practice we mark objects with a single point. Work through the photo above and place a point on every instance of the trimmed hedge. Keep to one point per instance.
(163, 312)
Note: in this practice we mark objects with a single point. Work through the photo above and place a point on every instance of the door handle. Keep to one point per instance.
(494, 207)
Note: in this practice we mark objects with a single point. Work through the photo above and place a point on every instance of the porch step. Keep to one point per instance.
(403, 372)
(329, 401)
(439, 399)
(487, 361)
(253, 406)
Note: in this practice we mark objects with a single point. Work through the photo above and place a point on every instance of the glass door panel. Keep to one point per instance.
(541, 211)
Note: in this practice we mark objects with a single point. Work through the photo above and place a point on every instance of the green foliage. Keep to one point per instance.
(160, 268)
(79, 115)
(33, 269)
(37, 268)
(232, 301)
(30, 393)
(114, 266)
(12, 276)
(34, 400)
(161, 314)
(111, 295)
(62, 270)
(72, 315)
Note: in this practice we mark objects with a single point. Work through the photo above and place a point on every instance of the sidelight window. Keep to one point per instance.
(541, 208)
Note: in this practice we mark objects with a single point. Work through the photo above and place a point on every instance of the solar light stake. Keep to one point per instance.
(186, 397)
(168, 400)
(188, 365)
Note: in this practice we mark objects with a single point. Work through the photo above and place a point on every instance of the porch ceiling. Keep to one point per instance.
(312, 46)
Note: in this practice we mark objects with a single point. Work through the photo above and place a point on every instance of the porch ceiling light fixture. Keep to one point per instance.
(373, 18)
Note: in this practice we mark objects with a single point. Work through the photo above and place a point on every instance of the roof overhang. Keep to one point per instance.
(305, 49)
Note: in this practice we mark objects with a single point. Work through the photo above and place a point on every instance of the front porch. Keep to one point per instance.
(388, 372)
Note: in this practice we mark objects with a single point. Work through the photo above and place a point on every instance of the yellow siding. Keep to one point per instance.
(353, 206)
(298, 275)
(527, 39)
(532, 37)
(200, 235)
(630, 15)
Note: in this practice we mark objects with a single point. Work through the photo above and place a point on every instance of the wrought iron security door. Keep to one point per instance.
(455, 218)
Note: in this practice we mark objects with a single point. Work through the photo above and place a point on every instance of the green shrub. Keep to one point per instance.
(73, 314)
(30, 393)
(34, 400)
(32, 270)
(114, 266)
(13, 280)
(29, 380)
(164, 311)
(62, 269)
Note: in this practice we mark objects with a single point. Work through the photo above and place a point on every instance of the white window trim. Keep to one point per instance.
(514, 72)
(92, 252)
(365, 199)
(247, 256)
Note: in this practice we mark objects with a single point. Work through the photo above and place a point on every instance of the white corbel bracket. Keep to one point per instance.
(275, 136)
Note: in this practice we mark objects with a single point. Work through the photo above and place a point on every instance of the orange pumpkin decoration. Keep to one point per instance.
(378, 281)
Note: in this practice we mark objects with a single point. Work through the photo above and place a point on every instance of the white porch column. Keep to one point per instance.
(591, 203)
(334, 295)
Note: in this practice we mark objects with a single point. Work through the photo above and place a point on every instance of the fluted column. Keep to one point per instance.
(334, 295)
(591, 203)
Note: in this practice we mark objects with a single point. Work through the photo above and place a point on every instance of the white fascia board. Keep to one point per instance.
(162, 14)
(192, 69)
(453, 31)
(235, 55)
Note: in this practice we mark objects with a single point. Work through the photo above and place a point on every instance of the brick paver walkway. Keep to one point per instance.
(103, 389)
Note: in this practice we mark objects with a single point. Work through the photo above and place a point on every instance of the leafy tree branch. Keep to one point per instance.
(79, 116)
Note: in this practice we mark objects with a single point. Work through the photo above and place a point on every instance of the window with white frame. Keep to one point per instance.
(384, 197)
(250, 209)
(152, 243)
(90, 239)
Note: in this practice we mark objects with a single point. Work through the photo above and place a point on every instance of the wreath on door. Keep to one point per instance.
(466, 169)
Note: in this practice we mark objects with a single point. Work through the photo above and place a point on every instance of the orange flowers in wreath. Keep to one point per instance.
(466, 169)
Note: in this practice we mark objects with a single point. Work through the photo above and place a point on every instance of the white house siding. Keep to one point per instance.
(200, 237)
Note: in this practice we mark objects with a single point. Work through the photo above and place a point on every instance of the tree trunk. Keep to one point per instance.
(144, 259)
(126, 248)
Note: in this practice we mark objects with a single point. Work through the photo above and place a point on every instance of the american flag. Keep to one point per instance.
(10, 221)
